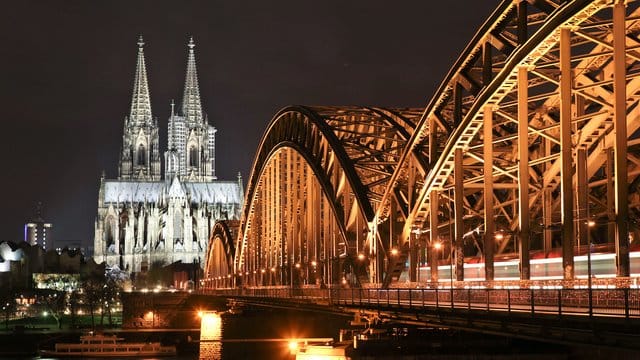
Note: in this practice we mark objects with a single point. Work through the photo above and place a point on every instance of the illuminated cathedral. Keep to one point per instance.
(145, 217)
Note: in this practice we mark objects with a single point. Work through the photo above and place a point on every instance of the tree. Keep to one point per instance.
(92, 286)
(8, 301)
(55, 303)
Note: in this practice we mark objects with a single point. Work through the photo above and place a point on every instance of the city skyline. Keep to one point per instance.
(69, 69)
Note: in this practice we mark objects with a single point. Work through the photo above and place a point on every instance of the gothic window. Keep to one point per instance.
(142, 156)
(193, 156)
(110, 227)
(194, 227)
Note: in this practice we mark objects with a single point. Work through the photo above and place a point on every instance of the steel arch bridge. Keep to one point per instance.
(529, 148)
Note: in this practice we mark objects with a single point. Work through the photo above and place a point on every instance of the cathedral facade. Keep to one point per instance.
(146, 218)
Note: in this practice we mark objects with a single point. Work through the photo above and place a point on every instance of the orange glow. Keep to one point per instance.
(293, 346)
(437, 245)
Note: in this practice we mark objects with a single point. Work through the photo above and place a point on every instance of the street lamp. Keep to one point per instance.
(590, 224)
(438, 246)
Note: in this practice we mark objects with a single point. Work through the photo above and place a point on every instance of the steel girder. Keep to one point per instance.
(316, 182)
(542, 75)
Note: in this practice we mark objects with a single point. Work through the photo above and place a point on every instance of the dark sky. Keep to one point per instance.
(67, 75)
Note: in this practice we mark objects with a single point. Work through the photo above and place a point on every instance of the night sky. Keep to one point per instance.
(67, 75)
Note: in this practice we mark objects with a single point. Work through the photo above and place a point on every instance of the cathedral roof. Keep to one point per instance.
(151, 191)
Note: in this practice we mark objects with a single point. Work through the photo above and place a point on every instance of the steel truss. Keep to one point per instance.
(532, 137)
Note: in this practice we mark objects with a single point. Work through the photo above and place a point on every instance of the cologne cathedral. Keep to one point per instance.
(147, 218)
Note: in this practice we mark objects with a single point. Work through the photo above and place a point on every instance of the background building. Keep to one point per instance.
(38, 231)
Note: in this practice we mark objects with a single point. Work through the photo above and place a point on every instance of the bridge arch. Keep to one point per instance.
(312, 194)
(522, 145)
(219, 259)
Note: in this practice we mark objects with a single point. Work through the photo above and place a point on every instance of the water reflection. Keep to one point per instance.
(210, 335)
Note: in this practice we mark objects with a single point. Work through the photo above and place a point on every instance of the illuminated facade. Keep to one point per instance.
(146, 218)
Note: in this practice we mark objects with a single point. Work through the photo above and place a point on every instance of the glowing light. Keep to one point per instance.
(394, 251)
(293, 346)
(263, 271)
(361, 256)
(200, 313)
(297, 265)
(273, 269)
(210, 329)
(44, 313)
(591, 223)
(437, 245)
(314, 263)
(210, 326)
(499, 235)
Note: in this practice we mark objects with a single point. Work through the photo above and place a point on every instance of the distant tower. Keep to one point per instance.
(37, 231)
(140, 157)
(191, 142)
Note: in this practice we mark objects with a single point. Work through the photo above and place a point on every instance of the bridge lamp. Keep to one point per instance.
(297, 265)
(263, 271)
(394, 251)
(293, 346)
(361, 256)
(314, 263)
(437, 245)
(273, 269)
(499, 235)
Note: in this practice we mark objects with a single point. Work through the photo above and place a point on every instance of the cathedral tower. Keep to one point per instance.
(191, 142)
(140, 156)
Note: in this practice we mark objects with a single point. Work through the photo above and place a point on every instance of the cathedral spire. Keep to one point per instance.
(140, 101)
(191, 106)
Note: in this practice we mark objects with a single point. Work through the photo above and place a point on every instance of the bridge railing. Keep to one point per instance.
(623, 302)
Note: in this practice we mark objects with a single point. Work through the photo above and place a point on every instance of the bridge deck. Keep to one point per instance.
(551, 315)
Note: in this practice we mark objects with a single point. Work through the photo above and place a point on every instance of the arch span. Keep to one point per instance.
(317, 178)
(219, 260)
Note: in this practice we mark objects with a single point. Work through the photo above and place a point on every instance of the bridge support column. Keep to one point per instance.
(433, 226)
(583, 197)
(566, 169)
(489, 219)
(457, 246)
(523, 172)
(611, 197)
(620, 129)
